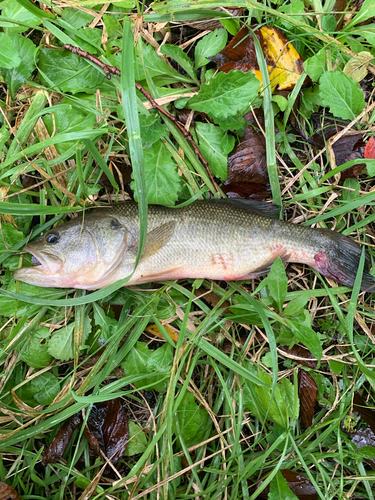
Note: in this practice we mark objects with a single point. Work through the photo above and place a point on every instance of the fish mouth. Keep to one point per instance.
(48, 264)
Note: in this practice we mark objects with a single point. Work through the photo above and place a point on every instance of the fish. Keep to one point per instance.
(218, 239)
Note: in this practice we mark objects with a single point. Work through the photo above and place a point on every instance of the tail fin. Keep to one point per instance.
(340, 260)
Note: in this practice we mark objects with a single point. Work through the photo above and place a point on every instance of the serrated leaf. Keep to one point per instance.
(277, 283)
(151, 129)
(226, 94)
(15, 77)
(9, 57)
(342, 94)
(152, 364)
(181, 58)
(209, 46)
(161, 176)
(215, 146)
(356, 68)
(316, 65)
(69, 72)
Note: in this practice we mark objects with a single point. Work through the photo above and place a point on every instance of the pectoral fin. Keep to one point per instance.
(155, 240)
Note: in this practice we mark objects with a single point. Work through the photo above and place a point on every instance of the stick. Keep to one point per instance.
(108, 70)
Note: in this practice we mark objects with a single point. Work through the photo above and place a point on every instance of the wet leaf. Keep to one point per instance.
(153, 364)
(215, 146)
(56, 449)
(356, 68)
(61, 343)
(208, 46)
(307, 393)
(284, 64)
(347, 148)
(226, 94)
(299, 485)
(341, 94)
(109, 425)
(8, 492)
(247, 163)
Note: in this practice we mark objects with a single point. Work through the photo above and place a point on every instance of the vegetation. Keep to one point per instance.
(230, 388)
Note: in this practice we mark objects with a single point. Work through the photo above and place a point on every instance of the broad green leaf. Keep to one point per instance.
(68, 119)
(45, 388)
(296, 305)
(61, 343)
(316, 65)
(308, 338)
(191, 421)
(137, 440)
(226, 94)
(15, 77)
(151, 129)
(11, 307)
(215, 145)
(231, 123)
(76, 18)
(69, 72)
(112, 26)
(277, 283)
(209, 46)
(342, 94)
(279, 489)
(13, 10)
(9, 236)
(33, 351)
(368, 32)
(161, 176)
(9, 57)
(181, 58)
(329, 23)
(153, 364)
(93, 35)
(281, 407)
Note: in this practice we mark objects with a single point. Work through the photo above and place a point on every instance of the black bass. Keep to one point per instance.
(215, 239)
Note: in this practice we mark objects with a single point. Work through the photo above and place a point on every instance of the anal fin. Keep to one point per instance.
(265, 268)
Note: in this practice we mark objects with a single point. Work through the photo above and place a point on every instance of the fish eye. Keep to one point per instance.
(52, 237)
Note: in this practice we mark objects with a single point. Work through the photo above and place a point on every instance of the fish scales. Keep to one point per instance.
(215, 239)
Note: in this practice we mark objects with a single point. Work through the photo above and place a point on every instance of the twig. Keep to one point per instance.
(108, 70)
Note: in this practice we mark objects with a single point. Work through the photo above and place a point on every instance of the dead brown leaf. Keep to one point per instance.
(285, 65)
(8, 492)
(307, 393)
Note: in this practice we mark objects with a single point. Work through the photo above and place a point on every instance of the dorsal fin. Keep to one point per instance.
(261, 208)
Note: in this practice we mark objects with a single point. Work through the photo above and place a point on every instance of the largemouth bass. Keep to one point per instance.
(215, 239)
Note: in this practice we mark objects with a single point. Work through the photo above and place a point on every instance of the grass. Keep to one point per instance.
(213, 396)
